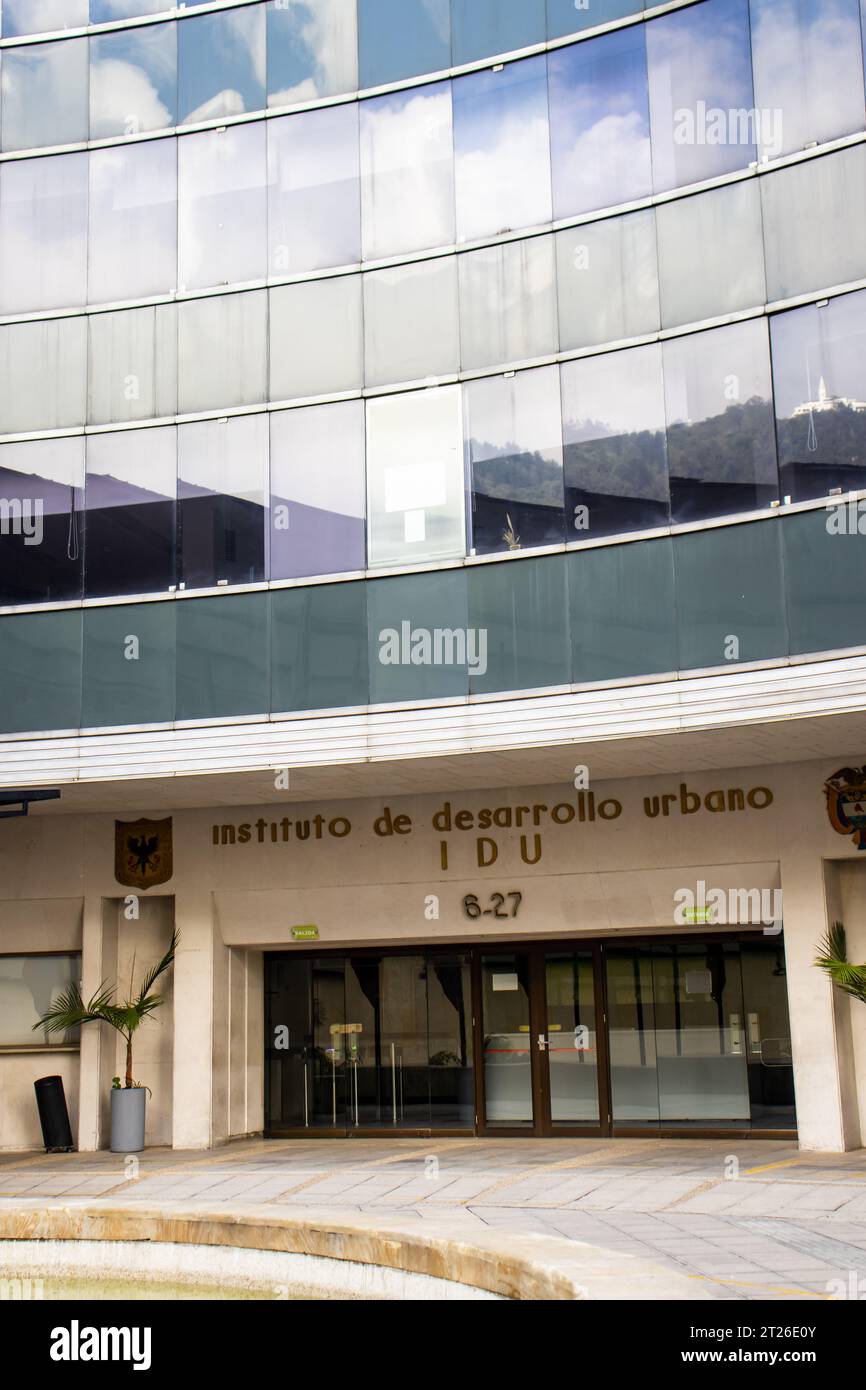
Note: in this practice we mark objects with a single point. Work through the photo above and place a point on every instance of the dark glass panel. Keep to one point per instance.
(130, 523)
(319, 647)
(621, 608)
(41, 499)
(518, 615)
(730, 604)
(40, 671)
(223, 656)
(222, 468)
(126, 683)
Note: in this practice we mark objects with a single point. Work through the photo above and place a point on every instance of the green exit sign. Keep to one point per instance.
(305, 933)
(697, 914)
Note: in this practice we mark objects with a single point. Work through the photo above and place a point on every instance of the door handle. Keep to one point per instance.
(542, 1043)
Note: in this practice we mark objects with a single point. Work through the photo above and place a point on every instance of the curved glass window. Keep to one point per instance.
(396, 302)
(415, 508)
(312, 50)
(130, 501)
(222, 206)
(133, 80)
(222, 64)
(513, 442)
(402, 38)
(133, 221)
(222, 351)
(507, 303)
(21, 17)
(711, 254)
(702, 108)
(721, 442)
(824, 200)
(317, 338)
(819, 377)
(43, 368)
(314, 199)
(502, 149)
(222, 484)
(407, 171)
(566, 17)
(482, 28)
(43, 233)
(45, 94)
(607, 280)
(42, 491)
(613, 425)
(808, 66)
(317, 496)
(103, 11)
(132, 372)
(599, 123)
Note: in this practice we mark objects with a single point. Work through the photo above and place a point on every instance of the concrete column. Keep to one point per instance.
(826, 1118)
(98, 1043)
(193, 1075)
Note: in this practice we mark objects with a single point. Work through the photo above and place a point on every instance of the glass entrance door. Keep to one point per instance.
(542, 1049)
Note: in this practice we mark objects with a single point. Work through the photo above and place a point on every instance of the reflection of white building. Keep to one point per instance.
(827, 402)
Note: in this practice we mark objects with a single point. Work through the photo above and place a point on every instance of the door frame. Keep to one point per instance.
(542, 1126)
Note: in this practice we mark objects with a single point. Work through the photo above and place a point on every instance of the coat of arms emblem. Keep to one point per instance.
(846, 803)
(142, 852)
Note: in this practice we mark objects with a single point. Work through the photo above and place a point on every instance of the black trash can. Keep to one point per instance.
(53, 1114)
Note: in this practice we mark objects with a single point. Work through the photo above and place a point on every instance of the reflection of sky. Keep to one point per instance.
(502, 149)
(317, 457)
(133, 80)
(133, 221)
(517, 415)
(808, 62)
(222, 64)
(102, 11)
(314, 190)
(698, 54)
(41, 16)
(229, 458)
(222, 212)
(45, 468)
(43, 233)
(44, 94)
(614, 394)
(564, 18)
(312, 50)
(809, 343)
(482, 28)
(406, 158)
(599, 123)
(134, 465)
(706, 373)
(402, 38)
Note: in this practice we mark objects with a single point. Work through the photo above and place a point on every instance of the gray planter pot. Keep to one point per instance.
(127, 1120)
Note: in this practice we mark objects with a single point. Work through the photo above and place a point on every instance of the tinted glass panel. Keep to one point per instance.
(45, 94)
(222, 656)
(29, 986)
(222, 206)
(133, 365)
(700, 110)
(565, 17)
(222, 351)
(222, 468)
(599, 123)
(40, 671)
(407, 171)
(221, 64)
(729, 602)
(42, 485)
(404, 615)
(622, 610)
(133, 80)
(43, 367)
(319, 647)
(502, 149)
(41, 16)
(507, 303)
(616, 476)
(316, 338)
(828, 614)
(513, 433)
(481, 28)
(312, 50)
(518, 613)
(43, 233)
(711, 258)
(317, 494)
(121, 688)
(607, 280)
(103, 11)
(414, 477)
(410, 322)
(825, 199)
(402, 38)
(819, 376)
(721, 443)
(314, 210)
(808, 72)
(130, 524)
(133, 221)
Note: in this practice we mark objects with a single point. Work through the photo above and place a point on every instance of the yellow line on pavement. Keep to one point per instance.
(767, 1167)
(765, 1288)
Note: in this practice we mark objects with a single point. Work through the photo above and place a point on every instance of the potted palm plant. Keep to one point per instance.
(833, 958)
(70, 1010)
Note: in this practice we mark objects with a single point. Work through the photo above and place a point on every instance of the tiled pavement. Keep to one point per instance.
(747, 1219)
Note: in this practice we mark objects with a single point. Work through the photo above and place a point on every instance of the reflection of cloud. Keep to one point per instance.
(226, 103)
(816, 57)
(440, 17)
(128, 9)
(608, 163)
(407, 160)
(302, 91)
(41, 98)
(44, 16)
(120, 93)
(506, 185)
(248, 26)
(327, 33)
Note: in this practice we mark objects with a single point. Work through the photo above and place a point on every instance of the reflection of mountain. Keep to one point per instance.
(824, 449)
(520, 494)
